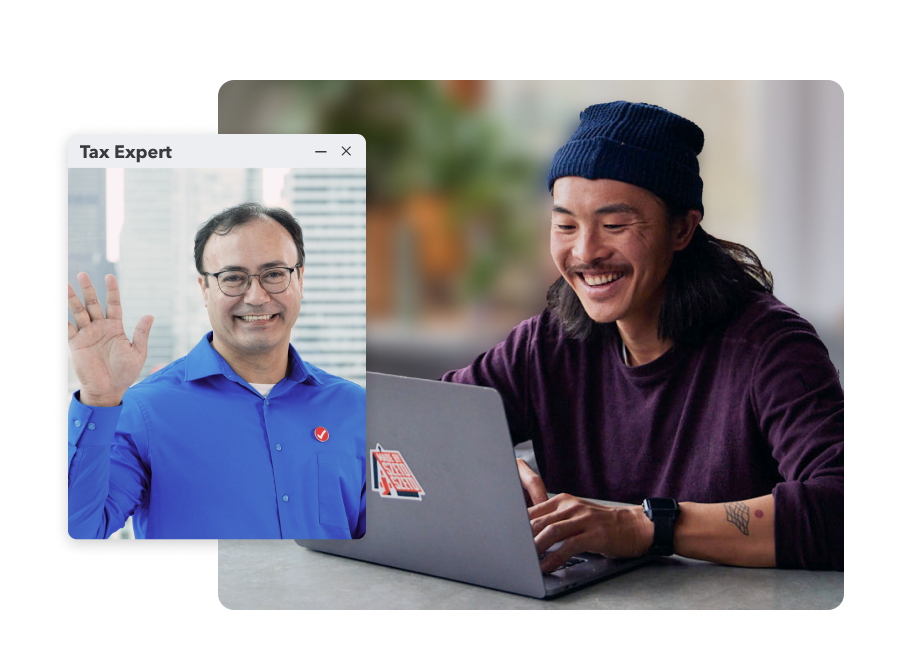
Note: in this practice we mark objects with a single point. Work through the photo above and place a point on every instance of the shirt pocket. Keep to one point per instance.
(339, 486)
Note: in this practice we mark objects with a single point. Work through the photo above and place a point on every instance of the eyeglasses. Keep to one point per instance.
(273, 280)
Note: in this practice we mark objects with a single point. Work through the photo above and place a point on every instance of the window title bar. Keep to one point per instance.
(217, 151)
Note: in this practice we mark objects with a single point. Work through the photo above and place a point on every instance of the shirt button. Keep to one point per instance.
(78, 423)
(285, 498)
(91, 425)
(277, 446)
(266, 402)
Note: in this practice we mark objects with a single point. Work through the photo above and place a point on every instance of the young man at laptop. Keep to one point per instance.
(664, 371)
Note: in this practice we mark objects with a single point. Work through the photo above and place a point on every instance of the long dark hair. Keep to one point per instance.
(707, 285)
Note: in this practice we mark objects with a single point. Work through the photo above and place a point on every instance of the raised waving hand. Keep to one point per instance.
(105, 361)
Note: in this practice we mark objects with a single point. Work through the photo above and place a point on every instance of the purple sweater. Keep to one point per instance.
(757, 409)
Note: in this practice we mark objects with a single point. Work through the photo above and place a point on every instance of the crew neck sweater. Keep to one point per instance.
(756, 409)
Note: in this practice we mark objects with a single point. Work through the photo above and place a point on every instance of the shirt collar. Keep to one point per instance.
(204, 361)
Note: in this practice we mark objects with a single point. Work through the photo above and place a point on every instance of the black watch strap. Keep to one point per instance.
(663, 512)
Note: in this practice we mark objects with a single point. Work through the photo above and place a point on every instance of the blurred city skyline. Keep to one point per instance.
(272, 195)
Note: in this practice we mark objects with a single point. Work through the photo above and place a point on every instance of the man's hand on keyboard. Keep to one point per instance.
(613, 531)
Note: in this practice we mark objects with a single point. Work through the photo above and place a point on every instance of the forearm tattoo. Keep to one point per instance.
(738, 514)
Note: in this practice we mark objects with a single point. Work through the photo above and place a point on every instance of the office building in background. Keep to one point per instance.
(156, 271)
(331, 208)
(87, 236)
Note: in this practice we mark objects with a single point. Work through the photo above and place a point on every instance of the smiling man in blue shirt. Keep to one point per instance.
(239, 439)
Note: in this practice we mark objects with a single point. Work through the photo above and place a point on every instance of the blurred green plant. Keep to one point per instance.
(423, 140)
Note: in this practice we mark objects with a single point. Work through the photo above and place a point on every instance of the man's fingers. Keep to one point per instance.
(113, 310)
(539, 523)
(90, 297)
(80, 315)
(532, 483)
(72, 331)
(141, 334)
(536, 490)
(544, 508)
(560, 555)
(555, 560)
(556, 532)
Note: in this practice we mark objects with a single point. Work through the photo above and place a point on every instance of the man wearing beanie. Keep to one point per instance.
(665, 372)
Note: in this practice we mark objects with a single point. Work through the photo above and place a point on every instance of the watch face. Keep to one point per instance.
(662, 504)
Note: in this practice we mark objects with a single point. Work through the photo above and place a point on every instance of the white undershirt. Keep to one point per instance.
(263, 388)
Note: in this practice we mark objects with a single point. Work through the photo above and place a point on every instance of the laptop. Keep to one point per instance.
(444, 496)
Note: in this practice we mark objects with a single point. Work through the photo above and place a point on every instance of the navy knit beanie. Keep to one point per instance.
(641, 144)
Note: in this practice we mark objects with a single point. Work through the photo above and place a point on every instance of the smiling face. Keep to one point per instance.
(613, 244)
(256, 324)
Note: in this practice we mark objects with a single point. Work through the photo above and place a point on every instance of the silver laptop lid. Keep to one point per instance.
(443, 494)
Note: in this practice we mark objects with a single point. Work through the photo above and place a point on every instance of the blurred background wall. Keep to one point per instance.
(458, 209)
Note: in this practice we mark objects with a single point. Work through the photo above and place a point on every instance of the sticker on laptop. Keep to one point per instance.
(392, 477)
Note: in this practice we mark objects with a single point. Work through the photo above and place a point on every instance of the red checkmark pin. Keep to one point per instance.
(321, 434)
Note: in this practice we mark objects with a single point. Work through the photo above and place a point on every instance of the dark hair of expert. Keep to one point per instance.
(708, 283)
(238, 215)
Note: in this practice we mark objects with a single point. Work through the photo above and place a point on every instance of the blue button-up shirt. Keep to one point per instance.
(194, 451)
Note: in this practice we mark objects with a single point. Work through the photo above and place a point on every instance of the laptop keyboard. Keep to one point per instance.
(574, 560)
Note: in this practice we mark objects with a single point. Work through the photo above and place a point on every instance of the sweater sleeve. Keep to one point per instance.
(505, 368)
(799, 402)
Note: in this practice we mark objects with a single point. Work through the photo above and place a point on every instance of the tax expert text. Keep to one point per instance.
(121, 152)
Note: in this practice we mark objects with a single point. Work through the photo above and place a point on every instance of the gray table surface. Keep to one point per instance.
(279, 574)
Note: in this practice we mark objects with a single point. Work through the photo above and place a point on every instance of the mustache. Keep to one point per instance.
(598, 269)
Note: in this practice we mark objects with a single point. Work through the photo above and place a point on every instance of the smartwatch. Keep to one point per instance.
(663, 512)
